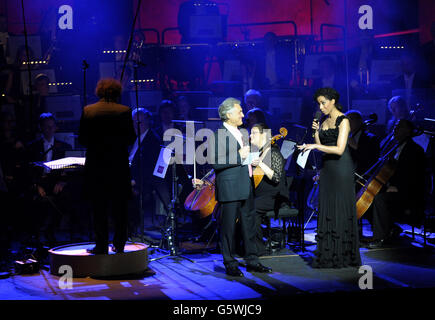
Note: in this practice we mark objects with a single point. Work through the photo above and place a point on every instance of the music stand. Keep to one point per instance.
(170, 231)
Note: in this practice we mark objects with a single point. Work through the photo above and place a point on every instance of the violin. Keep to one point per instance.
(258, 173)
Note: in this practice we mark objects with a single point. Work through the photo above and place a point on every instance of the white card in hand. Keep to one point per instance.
(302, 158)
(251, 157)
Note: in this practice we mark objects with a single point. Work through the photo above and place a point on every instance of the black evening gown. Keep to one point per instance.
(337, 227)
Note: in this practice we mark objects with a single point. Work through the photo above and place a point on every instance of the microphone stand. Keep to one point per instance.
(29, 73)
(85, 66)
(130, 40)
(139, 156)
(135, 66)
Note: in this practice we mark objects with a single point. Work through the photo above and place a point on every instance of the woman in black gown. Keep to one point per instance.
(337, 227)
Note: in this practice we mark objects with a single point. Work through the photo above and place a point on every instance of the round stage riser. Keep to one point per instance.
(101, 265)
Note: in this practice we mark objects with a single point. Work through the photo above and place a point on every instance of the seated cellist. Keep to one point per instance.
(403, 196)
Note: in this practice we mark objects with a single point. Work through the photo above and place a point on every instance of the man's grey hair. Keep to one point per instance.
(144, 111)
(252, 92)
(226, 106)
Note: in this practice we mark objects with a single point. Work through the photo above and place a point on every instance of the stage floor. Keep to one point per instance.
(202, 277)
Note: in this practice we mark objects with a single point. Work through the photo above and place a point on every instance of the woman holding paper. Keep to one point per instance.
(337, 227)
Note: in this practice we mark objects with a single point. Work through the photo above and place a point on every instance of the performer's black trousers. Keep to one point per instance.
(101, 206)
(263, 204)
(245, 211)
(386, 207)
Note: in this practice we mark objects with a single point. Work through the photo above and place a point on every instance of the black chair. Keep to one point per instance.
(291, 228)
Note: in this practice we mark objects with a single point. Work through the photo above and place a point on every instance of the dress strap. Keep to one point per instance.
(338, 120)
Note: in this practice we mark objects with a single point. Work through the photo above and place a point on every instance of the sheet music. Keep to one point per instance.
(302, 158)
(287, 148)
(251, 157)
(422, 140)
(65, 163)
(162, 163)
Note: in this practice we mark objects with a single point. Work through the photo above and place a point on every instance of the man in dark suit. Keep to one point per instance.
(106, 130)
(51, 200)
(47, 148)
(404, 193)
(364, 146)
(234, 189)
(142, 163)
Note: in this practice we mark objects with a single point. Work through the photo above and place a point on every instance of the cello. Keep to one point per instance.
(383, 170)
(258, 173)
(203, 199)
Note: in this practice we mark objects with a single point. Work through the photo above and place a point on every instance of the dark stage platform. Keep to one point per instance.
(404, 265)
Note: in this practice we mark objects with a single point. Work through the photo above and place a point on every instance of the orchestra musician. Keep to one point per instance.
(403, 195)
(363, 145)
(234, 190)
(142, 163)
(272, 192)
(51, 201)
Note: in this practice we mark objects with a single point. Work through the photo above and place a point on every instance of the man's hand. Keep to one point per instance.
(255, 162)
(41, 191)
(392, 189)
(59, 187)
(197, 184)
(244, 152)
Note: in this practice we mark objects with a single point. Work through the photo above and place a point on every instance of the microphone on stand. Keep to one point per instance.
(317, 117)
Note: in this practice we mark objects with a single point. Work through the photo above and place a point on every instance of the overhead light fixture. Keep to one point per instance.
(114, 51)
(35, 62)
(60, 83)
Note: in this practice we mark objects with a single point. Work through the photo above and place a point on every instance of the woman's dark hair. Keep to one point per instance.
(261, 126)
(328, 93)
(258, 113)
(109, 89)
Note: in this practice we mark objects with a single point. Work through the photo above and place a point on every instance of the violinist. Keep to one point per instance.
(403, 195)
(363, 145)
(271, 192)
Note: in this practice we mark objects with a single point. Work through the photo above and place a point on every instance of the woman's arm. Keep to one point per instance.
(343, 134)
(274, 171)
